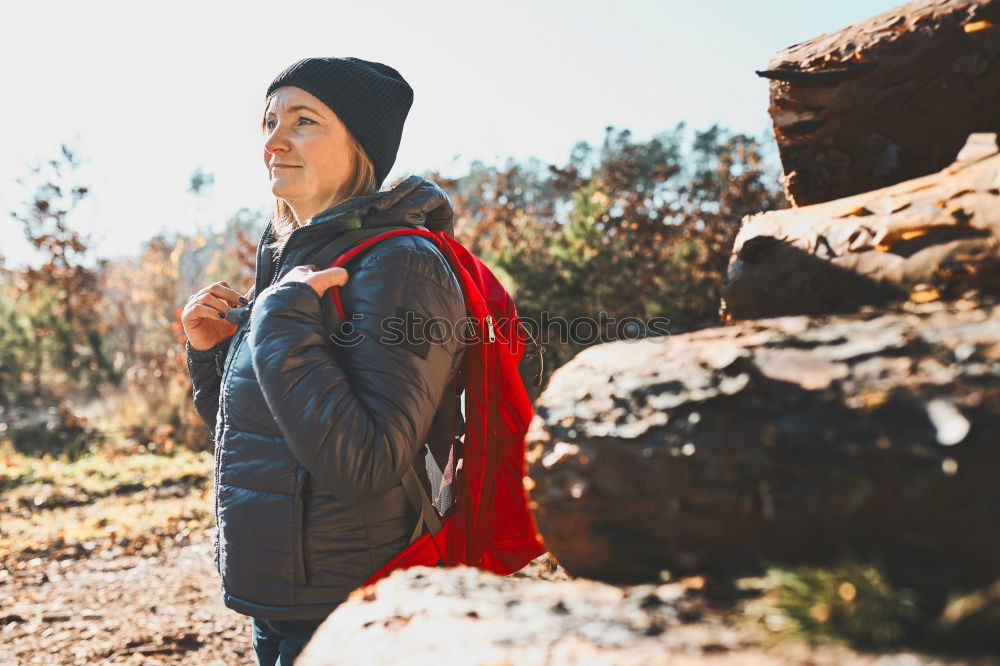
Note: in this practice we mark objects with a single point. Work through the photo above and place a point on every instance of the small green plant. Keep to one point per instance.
(849, 602)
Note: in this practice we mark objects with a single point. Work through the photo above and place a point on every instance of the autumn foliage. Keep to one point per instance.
(629, 228)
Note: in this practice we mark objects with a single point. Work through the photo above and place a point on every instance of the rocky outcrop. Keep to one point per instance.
(885, 100)
(791, 439)
(470, 617)
(924, 239)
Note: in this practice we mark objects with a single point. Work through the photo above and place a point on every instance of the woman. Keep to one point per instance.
(314, 431)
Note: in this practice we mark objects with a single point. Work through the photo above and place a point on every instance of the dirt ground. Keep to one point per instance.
(124, 609)
(109, 561)
(166, 608)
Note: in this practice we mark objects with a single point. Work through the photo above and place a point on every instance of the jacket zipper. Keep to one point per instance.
(234, 347)
(223, 420)
(298, 535)
(228, 367)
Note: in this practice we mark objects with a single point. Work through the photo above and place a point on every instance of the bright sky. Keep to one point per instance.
(149, 91)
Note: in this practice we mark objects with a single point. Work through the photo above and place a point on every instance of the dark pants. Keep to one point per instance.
(278, 642)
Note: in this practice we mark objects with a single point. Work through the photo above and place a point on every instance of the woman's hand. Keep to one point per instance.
(203, 317)
(319, 280)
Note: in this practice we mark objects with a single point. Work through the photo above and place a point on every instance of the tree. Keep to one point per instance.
(57, 321)
(630, 229)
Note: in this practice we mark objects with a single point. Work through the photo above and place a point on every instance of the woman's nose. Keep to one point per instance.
(276, 141)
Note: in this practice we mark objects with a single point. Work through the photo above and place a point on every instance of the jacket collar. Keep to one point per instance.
(415, 201)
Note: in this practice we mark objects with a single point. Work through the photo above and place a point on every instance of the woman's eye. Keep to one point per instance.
(271, 122)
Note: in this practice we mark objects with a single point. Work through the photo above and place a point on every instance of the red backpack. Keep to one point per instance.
(474, 504)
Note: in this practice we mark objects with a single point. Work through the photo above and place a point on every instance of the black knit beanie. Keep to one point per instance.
(370, 98)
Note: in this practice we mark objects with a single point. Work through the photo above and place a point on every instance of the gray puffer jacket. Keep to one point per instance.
(312, 435)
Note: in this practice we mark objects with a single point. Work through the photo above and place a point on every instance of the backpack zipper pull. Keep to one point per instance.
(538, 351)
(489, 328)
(541, 363)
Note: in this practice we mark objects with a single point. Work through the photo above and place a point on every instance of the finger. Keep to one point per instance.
(201, 311)
(215, 302)
(228, 294)
(338, 275)
(213, 288)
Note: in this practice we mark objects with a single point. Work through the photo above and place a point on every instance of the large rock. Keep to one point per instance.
(935, 236)
(791, 439)
(464, 616)
(888, 99)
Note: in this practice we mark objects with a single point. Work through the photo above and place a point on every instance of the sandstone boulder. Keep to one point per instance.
(886, 100)
(791, 439)
(928, 238)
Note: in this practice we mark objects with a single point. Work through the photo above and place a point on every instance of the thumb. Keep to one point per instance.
(336, 275)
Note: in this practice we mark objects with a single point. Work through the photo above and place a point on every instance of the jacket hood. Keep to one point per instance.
(414, 201)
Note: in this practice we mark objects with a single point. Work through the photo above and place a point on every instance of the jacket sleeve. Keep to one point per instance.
(356, 412)
(205, 368)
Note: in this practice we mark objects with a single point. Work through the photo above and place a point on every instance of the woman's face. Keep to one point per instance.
(303, 133)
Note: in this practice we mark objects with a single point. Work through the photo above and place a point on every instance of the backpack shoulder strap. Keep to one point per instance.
(326, 255)
(422, 503)
(361, 245)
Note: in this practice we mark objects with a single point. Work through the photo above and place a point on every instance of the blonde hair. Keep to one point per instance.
(362, 182)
